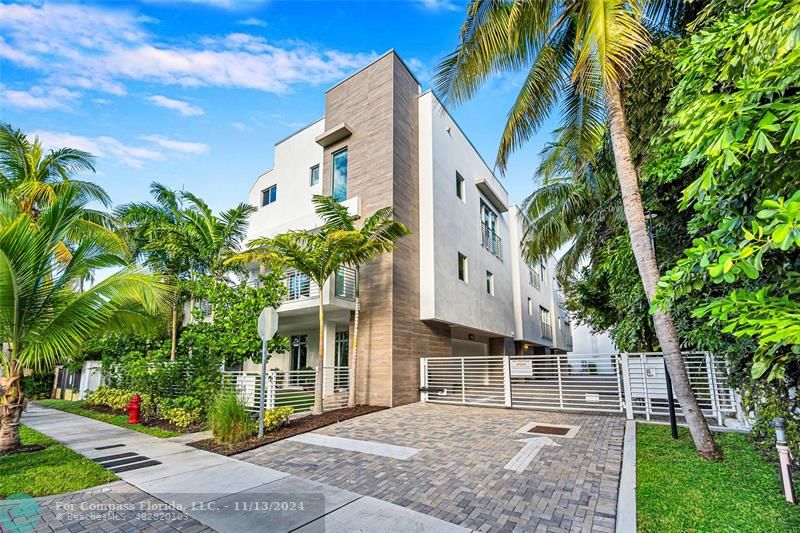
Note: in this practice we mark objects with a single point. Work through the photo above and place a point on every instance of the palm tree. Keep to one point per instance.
(378, 234)
(576, 208)
(33, 179)
(43, 319)
(318, 255)
(150, 229)
(580, 53)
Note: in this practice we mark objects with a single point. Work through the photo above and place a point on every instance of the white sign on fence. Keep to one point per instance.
(521, 368)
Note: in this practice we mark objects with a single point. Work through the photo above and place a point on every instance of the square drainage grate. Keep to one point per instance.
(549, 430)
(554, 430)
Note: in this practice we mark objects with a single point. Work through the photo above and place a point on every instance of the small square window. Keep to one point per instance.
(489, 283)
(462, 267)
(269, 195)
(314, 175)
(460, 192)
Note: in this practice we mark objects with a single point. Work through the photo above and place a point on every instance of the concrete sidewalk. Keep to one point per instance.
(223, 493)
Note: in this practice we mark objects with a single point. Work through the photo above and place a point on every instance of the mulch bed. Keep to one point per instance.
(25, 449)
(295, 427)
(148, 421)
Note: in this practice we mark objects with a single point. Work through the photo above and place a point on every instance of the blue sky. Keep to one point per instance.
(194, 93)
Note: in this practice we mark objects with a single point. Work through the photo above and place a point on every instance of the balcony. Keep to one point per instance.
(491, 241)
(300, 287)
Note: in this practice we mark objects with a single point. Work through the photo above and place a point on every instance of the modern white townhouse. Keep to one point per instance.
(457, 286)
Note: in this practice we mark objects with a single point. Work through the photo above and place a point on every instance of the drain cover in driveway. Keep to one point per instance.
(553, 430)
(548, 430)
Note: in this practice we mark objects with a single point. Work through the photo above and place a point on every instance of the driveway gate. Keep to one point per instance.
(634, 384)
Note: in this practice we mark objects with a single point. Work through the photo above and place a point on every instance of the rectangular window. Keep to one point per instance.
(543, 270)
(530, 307)
(269, 195)
(489, 283)
(489, 236)
(533, 276)
(339, 175)
(544, 318)
(460, 186)
(462, 267)
(314, 175)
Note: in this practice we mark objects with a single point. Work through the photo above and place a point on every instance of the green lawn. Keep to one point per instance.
(678, 491)
(118, 420)
(53, 470)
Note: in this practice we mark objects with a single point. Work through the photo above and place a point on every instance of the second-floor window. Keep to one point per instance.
(533, 276)
(269, 195)
(314, 175)
(460, 192)
(298, 285)
(544, 318)
(489, 283)
(462, 267)
(530, 307)
(489, 237)
(339, 175)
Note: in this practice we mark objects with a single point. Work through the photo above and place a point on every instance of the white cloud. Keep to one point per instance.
(96, 49)
(253, 21)
(184, 108)
(102, 147)
(38, 98)
(440, 5)
(184, 147)
(241, 126)
(223, 4)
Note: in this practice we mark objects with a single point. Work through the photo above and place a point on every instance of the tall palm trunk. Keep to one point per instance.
(318, 407)
(648, 271)
(351, 400)
(12, 402)
(174, 335)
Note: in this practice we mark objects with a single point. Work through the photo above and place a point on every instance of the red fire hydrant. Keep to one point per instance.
(133, 408)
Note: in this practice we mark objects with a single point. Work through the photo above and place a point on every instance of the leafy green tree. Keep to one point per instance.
(318, 255)
(42, 318)
(580, 53)
(379, 234)
(736, 114)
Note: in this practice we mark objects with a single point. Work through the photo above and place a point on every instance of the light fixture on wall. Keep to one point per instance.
(471, 337)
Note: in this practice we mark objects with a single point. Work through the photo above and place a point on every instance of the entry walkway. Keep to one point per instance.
(222, 493)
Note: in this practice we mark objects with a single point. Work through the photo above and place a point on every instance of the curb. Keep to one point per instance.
(626, 500)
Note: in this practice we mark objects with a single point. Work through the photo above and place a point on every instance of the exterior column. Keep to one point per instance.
(330, 358)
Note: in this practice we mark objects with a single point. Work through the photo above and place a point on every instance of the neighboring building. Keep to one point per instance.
(456, 286)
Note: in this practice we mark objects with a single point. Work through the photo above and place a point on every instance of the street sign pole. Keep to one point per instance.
(263, 388)
(267, 327)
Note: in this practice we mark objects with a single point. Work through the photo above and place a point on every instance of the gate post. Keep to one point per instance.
(423, 379)
(507, 380)
(626, 381)
(270, 396)
(712, 385)
(560, 388)
(463, 384)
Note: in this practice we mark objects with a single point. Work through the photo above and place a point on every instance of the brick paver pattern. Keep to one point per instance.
(459, 474)
(103, 511)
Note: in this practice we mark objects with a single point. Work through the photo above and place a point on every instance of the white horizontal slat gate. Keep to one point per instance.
(634, 384)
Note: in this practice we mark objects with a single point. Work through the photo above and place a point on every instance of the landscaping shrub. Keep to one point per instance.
(38, 385)
(183, 411)
(228, 418)
(117, 398)
(275, 418)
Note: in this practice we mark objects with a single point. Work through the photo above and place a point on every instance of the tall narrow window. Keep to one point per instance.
(269, 195)
(462, 267)
(314, 175)
(339, 176)
(460, 186)
(489, 283)
(544, 318)
(530, 307)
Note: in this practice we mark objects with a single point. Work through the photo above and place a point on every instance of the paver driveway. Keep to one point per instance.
(459, 473)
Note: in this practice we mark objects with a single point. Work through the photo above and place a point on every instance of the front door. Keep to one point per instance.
(299, 352)
(342, 348)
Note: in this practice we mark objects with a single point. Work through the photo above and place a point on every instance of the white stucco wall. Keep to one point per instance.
(292, 209)
(449, 225)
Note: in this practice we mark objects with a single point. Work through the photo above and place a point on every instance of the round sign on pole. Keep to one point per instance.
(267, 323)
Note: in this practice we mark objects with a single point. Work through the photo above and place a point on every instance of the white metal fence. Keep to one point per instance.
(634, 384)
(291, 388)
